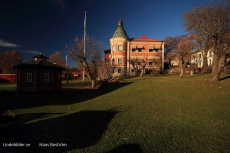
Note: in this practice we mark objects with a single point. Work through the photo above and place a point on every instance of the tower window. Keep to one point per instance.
(113, 48)
(119, 47)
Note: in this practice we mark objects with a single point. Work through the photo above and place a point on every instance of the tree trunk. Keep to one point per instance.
(181, 72)
(142, 71)
(181, 63)
(216, 67)
(226, 64)
(93, 82)
(205, 61)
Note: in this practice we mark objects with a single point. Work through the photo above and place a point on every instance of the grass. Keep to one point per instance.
(149, 114)
(8, 87)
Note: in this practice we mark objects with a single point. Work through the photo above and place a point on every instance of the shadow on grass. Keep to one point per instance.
(68, 96)
(71, 131)
(224, 78)
(127, 148)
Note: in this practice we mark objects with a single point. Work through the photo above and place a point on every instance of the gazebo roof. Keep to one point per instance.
(40, 56)
(36, 64)
(39, 63)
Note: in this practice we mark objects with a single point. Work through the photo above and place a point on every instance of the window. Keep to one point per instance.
(113, 60)
(151, 50)
(119, 60)
(133, 49)
(118, 70)
(150, 63)
(156, 50)
(139, 49)
(46, 77)
(113, 48)
(29, 77)
(119, 47)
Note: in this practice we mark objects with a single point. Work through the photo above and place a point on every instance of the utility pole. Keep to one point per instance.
(67, 75)
(84, 45)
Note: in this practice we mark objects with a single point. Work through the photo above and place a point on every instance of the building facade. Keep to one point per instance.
(39, 76)
(197, 59)
(124, 50)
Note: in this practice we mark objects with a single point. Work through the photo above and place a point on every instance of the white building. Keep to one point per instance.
(197, 59)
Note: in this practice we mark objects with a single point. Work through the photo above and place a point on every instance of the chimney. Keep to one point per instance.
(143, 36)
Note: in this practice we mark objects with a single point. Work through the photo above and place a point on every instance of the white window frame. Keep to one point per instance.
(113, 48)
(119, 47)
(29, 77)
(46, 77)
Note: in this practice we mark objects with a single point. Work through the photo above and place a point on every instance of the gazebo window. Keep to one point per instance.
(46, 77)
(29, 77)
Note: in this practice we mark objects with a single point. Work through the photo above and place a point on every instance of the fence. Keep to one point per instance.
(8, 78)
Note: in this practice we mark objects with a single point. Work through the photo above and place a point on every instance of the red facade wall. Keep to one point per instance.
(8, 78)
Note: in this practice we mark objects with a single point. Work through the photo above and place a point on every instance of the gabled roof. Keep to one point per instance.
(120, 31)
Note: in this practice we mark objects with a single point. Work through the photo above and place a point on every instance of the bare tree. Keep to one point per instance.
(105, 72)
(10, 59)
(57, 58)
(184, 44)
(170, 46)
(139, 65)
(90, 60)
(211, 24)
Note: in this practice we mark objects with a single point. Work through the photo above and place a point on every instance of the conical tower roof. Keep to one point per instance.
(120, 31)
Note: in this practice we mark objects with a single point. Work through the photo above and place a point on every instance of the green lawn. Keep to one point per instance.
(8, 87)
(144, 115)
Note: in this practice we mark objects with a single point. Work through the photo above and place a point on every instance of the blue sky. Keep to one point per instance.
(46, 26)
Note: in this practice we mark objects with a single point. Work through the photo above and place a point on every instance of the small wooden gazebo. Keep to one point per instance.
(39, 76)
